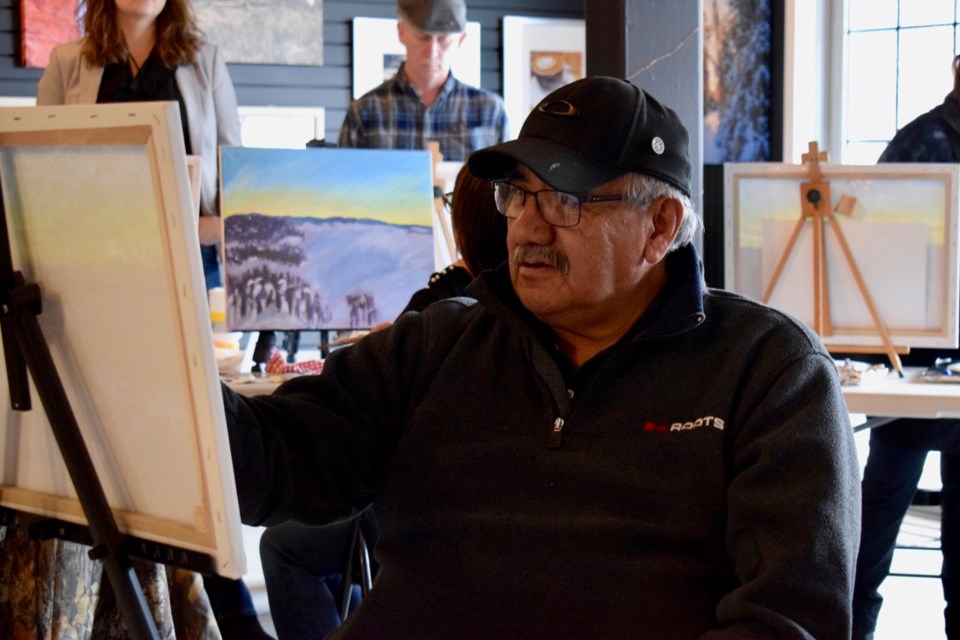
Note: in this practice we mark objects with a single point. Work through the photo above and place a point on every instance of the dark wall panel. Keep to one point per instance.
(325, 86)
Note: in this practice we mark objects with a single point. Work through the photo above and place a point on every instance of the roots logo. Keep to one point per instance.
(706, 421)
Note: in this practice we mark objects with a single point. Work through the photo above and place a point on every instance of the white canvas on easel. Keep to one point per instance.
(101, 217)
(872, 244)
(903, 234)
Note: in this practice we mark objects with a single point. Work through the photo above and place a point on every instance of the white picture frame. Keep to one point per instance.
(281, 127)
(377, 53)
(18, 101)
(101, 216)
(539, 55)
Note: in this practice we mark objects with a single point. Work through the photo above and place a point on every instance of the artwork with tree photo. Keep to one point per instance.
(737, 102)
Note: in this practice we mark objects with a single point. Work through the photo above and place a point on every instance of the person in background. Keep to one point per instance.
(480, 233)
(597, 446)
(303, 565)
(145, 50)
(898, 449)
(424, 102)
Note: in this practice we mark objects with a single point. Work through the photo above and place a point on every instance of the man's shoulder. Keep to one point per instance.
(746, 314)
(931, 137)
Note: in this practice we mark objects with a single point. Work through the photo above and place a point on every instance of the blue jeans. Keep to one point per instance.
(303, 568)
(210, 258)
(898, 451)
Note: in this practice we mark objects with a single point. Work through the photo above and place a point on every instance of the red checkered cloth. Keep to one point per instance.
(276, 364)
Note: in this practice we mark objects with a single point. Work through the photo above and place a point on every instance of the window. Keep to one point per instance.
(897, 65)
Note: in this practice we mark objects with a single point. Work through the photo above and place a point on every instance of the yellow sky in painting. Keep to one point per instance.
(390, 186)
(914, 200)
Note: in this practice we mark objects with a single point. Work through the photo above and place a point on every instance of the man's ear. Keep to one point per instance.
(666, 214)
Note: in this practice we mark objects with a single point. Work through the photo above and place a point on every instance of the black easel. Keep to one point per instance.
(25, 349)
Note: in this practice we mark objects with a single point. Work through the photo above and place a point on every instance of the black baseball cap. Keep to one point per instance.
(435, 16)
(591, 131)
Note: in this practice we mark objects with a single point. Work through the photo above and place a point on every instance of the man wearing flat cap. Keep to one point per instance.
(424, 102)
(599, 447)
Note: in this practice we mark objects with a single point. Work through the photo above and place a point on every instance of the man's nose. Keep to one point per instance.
(530, 217)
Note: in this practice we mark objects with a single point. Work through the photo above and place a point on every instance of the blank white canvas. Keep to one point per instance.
(108, 231)
(880, 250)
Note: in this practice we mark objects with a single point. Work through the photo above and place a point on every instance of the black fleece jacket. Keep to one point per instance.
(696, 480)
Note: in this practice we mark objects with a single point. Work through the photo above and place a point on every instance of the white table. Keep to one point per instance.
(892, 396)
(255, 384)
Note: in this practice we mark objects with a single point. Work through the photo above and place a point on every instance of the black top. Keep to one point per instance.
(449, 283)
(154, 82)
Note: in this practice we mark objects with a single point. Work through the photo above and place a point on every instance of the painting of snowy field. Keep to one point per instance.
(324, 238)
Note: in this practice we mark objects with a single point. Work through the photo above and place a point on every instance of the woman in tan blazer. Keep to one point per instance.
(139, 50)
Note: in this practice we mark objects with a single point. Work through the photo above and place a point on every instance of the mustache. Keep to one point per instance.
(540, 254)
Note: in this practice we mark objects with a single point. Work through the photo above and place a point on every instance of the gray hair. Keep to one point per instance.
(641, 190)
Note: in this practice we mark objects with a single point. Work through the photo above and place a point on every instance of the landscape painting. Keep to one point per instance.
(319, 239)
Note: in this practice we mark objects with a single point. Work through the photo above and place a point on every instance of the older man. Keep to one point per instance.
(424, 102)
(599, 447)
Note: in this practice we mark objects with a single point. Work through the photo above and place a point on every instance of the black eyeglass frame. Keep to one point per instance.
(447, 199)
(581, 198)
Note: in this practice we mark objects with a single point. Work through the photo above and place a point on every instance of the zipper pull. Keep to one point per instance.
(553, 442)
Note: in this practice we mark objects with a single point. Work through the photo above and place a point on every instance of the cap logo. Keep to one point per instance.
(658, 146)
(558, 108)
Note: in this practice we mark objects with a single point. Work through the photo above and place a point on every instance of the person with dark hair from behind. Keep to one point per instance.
(480, 233)
(303, 565)
(597, 445)
(898, 449)
(144, 50)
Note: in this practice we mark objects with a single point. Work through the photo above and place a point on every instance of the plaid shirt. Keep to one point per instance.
(462, 119)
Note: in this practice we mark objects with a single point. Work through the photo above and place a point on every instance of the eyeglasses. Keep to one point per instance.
(559, 208)
(447, 201)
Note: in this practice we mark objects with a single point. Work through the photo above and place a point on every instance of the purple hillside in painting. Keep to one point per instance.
(331, 244)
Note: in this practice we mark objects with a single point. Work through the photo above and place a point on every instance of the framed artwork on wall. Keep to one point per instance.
(738, 83)
(43, 25)
(281, 127)
(539, 55)
(377, 54)
(275, 32)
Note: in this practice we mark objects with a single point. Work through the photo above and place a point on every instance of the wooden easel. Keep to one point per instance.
(438, 201)
(815, 206)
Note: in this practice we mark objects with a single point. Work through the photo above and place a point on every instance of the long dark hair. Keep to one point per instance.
(478, 228)
(178, 36)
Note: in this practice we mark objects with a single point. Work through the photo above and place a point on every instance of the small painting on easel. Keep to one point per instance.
(319, 239)
(878, 271)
